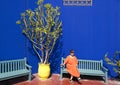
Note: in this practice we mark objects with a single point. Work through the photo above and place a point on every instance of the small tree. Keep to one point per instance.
(115, 61)
(42, 27)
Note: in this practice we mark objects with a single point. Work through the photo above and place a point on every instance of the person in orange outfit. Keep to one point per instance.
(71, 65)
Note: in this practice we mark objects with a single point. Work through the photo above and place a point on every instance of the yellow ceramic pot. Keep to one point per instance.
(43, 71)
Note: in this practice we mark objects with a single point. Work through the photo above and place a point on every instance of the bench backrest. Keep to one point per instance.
(88, 64)
(12, 65)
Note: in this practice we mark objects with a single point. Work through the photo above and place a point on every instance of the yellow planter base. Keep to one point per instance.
(44, 71)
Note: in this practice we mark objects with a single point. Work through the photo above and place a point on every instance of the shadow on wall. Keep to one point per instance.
(55, 57)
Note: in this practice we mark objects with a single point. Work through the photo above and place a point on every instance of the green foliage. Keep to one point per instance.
(115, 61)
(42, 27)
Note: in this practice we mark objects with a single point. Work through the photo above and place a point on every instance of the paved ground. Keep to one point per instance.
(55, 80)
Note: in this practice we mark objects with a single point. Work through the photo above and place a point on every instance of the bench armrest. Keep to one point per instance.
(62, 67)
(105, 69)
(28, 66)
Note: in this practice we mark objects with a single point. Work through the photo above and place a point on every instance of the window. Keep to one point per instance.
(78, 2)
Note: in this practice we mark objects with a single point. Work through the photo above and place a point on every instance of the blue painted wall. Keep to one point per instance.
(91, 31)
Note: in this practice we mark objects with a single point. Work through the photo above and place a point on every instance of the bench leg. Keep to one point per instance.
(106, 78)
(29, 76)
(61, 74)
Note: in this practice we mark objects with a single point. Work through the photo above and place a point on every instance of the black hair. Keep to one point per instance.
(72, 51)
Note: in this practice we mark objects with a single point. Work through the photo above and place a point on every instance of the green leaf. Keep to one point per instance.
(48, 6)
(39, 2)
(23, 14)
(18, 22)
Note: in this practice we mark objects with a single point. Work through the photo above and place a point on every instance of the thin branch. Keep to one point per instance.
(37, 47)
(25, 22)
(46, 57)
(37, 53)
(53, 46)
(30, 39)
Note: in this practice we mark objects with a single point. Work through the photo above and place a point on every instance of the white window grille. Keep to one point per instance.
(78, 2)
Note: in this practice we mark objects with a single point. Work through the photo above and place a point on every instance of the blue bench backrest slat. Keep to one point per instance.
(0, 68)
(20, 65)
(3, 67)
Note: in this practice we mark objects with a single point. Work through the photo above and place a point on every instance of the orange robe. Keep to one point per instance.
(71, 66)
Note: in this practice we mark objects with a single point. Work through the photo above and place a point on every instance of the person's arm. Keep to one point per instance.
(66, 60)
(62, 64)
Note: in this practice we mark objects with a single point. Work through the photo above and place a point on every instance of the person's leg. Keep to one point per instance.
(79, 78)
(71, 78)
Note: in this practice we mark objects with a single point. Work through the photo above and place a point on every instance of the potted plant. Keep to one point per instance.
(42, 27)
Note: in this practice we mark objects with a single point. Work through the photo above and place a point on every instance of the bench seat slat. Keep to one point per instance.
(13, 74)
(88, 72)
(91, 72)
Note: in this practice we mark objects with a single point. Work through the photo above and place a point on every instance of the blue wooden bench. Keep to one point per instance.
(89, 67)
(14, 68)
